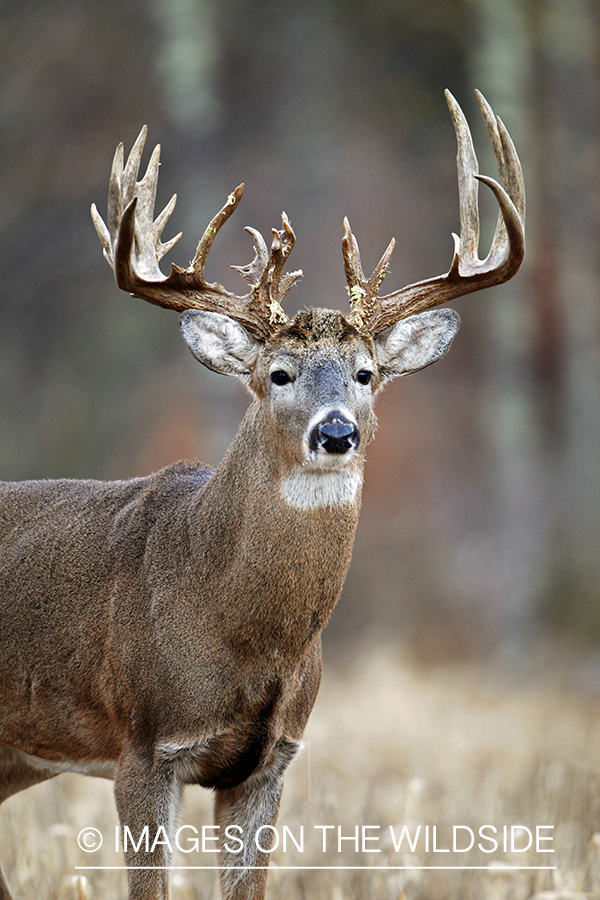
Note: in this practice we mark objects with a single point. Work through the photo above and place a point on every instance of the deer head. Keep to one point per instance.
(317, 373)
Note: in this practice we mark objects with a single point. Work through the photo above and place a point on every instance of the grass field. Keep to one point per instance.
(386, 746)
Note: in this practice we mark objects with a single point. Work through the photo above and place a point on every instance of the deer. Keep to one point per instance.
(166, 630)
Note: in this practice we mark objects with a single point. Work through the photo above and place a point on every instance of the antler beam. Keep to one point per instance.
(133, 248)
(373, 314)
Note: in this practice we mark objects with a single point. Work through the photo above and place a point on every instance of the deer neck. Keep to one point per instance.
(284, 553)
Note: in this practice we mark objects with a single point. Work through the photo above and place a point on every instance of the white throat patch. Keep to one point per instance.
(316, 489)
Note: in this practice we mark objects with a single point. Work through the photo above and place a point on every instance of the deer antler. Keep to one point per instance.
(373, 314)
(133, 247)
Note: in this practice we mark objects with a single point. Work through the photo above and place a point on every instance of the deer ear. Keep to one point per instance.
(415, 342)
(219, 342)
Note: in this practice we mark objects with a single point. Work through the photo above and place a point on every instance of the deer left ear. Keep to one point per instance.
(415, 342)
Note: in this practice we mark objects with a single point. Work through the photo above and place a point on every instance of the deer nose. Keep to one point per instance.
(335, 433)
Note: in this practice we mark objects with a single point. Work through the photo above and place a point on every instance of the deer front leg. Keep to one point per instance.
(147, 794)
(250, 805)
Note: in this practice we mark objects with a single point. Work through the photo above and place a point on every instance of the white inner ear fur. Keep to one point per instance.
(219, 342)
(416, 342)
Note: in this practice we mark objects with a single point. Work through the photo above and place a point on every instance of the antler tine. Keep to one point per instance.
(133, 247)
(382, 267)
(281, 247)
(352, 264)
(115, 209)
(206, 241)
(515, 185)
(283, 281)
(467, 272)
(363, 291)
(509, 170)
(159, 224)
(468, 169)
(253, 271)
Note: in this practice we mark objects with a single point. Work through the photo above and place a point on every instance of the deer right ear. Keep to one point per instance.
(219, 343)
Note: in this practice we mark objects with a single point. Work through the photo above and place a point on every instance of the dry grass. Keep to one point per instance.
(385, 746)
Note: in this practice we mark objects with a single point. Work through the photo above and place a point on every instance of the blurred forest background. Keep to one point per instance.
(481, 521)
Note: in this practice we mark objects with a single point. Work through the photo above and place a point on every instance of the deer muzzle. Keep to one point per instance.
(335, 433)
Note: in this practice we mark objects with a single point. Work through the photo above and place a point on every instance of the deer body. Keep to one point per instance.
(166, 630)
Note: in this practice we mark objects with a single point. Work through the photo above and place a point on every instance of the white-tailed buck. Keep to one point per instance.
(166, 630)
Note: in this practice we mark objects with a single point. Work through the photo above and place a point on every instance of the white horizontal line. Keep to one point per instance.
(498, 868)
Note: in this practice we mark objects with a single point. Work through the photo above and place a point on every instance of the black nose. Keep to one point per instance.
(336, 433)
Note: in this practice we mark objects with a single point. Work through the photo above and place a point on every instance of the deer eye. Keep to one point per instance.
(280, 377)
(364, 376)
